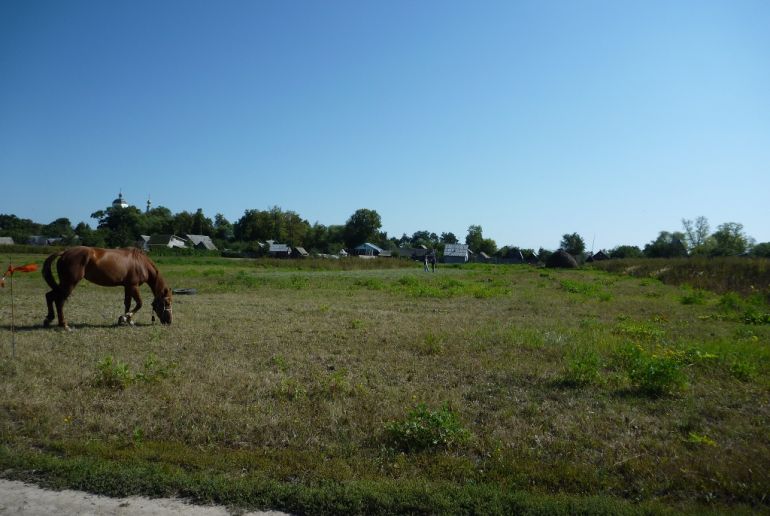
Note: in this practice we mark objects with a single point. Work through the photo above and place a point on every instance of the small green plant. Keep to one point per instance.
(299, 282)
(289, 389)
(431, 344)
(743, 370)
(153, 370)
(694, 439)
(755, 316)
(654, 373)
(583, 368)
(113, 374)
(639, 330)
(280, 362)
(337, 385)
(137, 436)
(731, 302)
(426, 429)
(694, 297)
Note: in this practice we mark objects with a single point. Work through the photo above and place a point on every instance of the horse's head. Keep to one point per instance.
(161, 305)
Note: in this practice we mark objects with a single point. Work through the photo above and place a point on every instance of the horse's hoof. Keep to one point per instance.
(46, 323)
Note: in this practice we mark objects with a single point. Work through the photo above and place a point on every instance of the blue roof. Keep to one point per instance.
(367, 245)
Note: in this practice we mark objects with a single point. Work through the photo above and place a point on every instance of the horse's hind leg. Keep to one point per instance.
(59, 299)
(50, 296)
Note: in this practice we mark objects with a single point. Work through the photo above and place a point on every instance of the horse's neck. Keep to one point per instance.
(155, 280)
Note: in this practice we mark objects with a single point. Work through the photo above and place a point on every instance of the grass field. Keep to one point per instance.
(492, 389)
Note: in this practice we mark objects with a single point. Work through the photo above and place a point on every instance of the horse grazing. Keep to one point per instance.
(128, 268)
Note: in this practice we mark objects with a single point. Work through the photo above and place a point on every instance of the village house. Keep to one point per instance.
(456, 253)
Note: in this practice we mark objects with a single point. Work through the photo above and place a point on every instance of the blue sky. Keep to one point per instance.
(613, 119)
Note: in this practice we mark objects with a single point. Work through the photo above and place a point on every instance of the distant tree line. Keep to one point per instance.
(121, 227)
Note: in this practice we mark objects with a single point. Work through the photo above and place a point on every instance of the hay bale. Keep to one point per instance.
(561, 259)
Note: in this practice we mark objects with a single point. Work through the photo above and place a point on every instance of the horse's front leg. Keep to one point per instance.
(132, 292)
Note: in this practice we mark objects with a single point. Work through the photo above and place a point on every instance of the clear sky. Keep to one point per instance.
(614, 119)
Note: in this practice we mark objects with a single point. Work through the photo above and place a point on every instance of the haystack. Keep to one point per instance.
(561, 259)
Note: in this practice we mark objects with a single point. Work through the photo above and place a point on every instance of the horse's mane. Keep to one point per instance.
(154, 278)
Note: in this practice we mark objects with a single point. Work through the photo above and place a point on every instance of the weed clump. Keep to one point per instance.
(114, 374)
(582, 368)
(654, 373)
(425, 429)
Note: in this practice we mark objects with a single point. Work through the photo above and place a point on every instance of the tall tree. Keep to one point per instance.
(361, 227)
(573, 244)
(201, 225)
(223, 230)
(730, 240)
(158, 221)
(626, 251)
(122, 226)
(448, 238)
(696, 234)
(667, 245)
(474, 238)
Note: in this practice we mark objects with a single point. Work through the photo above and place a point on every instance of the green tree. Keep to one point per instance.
(183, 223)
(361, 227)
(253, 225)
(121, 226)
(88, 236)
(573, 244)
(667, 245)
(696, 235)
(18, 229)
(448, 238)
(626, 251)
(223, 230)
(201, 225)
(158, 221)
(474, 238)
(730, 240)
(60, 228)
(762, 250)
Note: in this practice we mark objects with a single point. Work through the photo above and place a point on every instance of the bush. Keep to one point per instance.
(655, 374)
(425, 429)
(694, 297)
(583, 368)
(114, 374)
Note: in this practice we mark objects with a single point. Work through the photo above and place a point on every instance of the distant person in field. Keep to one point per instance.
(426, 262)
(433, 260)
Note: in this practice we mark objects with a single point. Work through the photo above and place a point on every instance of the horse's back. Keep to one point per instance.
(109, 267)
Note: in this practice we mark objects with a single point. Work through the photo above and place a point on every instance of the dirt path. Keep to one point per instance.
(19, 498)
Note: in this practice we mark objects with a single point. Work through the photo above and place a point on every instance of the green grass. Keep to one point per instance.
(352, 389)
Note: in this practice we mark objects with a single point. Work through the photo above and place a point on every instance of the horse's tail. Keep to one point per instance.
(47, 274)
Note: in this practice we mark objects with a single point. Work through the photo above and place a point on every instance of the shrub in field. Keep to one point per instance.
(114, 374)
(731, 302)
(638, 330)
(426, 429)
(694, 297)
(697, 440)
(431, 344)
(582, 368)
(756, 316)
(743, 370)
(654, 373)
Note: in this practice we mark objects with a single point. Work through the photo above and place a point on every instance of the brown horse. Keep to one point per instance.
(128, 268)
